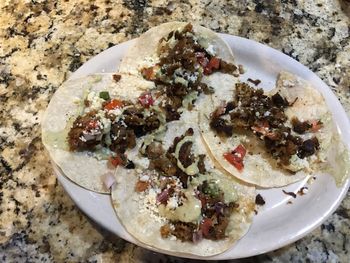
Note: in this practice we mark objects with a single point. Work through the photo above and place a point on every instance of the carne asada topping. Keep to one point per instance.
(236, 157)
(177, 161)
(110, 126)
(306, 126)
(190, 209)
(86, 132)
(203, 215)
(183, 60)
(251, 110)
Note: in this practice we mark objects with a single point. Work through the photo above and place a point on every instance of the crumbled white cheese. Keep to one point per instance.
(116, 112)
(172, 202)
(148, 203)
(298, 164)
(96, 101)
(144, 178)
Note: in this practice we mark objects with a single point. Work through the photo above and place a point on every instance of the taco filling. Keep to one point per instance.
(112, 125)
(264, 116)
(180, 198)
(182, 60)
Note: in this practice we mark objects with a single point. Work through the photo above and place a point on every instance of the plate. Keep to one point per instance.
(283, 219)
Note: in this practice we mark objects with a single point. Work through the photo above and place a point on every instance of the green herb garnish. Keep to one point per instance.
(104, 95)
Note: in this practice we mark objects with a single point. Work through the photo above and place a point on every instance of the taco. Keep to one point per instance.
(83, 127)
(177, 201)
(270, 139)
(180, 58)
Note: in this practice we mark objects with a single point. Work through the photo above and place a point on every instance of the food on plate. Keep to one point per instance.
(270, 139)
(110, 118)
(180, 58)
(91, 121)
(176, 200)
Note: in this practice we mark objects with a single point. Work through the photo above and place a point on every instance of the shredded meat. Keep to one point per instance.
(217, 231)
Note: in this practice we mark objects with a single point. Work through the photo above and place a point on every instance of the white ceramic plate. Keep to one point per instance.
(277, 223)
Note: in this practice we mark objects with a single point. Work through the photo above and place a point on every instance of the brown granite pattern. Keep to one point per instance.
(43, 42)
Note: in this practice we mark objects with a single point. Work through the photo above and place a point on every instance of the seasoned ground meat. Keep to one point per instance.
(217, 231)
(171, 113)
(227, 67)
(154, 150)
(85, 133)
(259, 200)
(135, 119)
(221, 126)
(185, 156)
(122, 138)
(300, 127)
(183, 231)
(279, 101)
(163, 165)
(215, 211)
(255, 112)
(201, 165)
(308, 148)
(180, 69)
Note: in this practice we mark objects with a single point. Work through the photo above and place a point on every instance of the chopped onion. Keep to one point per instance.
(197, 236)
(108, 179)
(163, 197)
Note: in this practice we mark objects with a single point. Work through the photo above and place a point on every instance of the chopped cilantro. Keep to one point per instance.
(104, 95)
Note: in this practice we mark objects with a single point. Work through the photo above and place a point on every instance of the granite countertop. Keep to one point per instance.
(43, 42)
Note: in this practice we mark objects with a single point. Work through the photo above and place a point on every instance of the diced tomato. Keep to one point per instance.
(315, 125)
(205, 226)
(234, 160)
(146, 100)
(240, 150)
(113, 104)
(115, 160)
(236, 157)
(93, 124)
(141, 186)
(214, 63)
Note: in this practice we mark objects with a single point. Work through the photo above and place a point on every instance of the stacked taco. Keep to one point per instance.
(181, 143)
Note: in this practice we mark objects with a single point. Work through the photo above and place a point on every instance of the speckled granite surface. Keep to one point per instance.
(43, 42)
